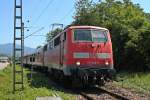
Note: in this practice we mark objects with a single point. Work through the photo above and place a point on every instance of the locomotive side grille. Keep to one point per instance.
(103, 55)
(81, 55)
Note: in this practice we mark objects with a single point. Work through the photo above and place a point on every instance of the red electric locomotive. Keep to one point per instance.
(82, 53)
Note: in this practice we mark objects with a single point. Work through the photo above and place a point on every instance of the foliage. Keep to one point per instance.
(39, 85)
(52, 34)
(138, 81)
(129, 27)
(38, 47)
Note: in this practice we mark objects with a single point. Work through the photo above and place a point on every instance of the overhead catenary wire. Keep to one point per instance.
(68, 13)
(37, 19)
(40, 35)
(34, 32)
(64, 17)
(35, 7)
(32, 12)
(43, 11)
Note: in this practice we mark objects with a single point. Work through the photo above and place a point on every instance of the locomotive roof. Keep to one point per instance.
(73, 27)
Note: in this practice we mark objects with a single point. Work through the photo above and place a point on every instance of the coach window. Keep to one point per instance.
(33, 59)
(51, 45)
(45, 48)
(30, 59)
(56, 41)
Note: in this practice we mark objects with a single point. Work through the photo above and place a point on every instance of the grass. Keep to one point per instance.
(40, 85)
(138, 81)
(37, 87)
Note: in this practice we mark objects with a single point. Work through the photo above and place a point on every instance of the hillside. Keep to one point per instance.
(7, 49)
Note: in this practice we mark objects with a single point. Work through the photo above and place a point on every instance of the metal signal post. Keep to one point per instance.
(18, 46)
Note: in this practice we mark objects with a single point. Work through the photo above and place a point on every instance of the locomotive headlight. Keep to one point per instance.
(78, 63)
(106, 63)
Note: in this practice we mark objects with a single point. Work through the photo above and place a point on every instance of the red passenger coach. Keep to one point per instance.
(83, 53)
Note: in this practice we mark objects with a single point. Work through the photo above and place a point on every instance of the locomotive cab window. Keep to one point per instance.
(99, 36)
(82, 35)
(90, 35)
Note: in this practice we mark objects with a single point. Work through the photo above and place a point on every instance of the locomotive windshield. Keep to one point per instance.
(90, 35)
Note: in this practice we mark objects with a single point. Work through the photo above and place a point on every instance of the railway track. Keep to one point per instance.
(97, 93)
(107, 92)
(92, 93)
(117, 96)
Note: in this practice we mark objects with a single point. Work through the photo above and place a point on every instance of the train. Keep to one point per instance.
(78, 54)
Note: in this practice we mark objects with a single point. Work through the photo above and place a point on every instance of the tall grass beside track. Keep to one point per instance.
(137, 81)
(37, 87)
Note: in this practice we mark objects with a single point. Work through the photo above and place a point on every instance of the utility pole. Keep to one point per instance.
(23, 38)
(18, 52)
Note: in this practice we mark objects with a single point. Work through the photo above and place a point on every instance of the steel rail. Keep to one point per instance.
(118, 96)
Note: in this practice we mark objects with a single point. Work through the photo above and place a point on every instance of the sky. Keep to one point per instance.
(40, 14)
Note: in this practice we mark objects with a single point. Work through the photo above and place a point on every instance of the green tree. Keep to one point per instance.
(52, 34)
(38, 47)
(129, 26)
